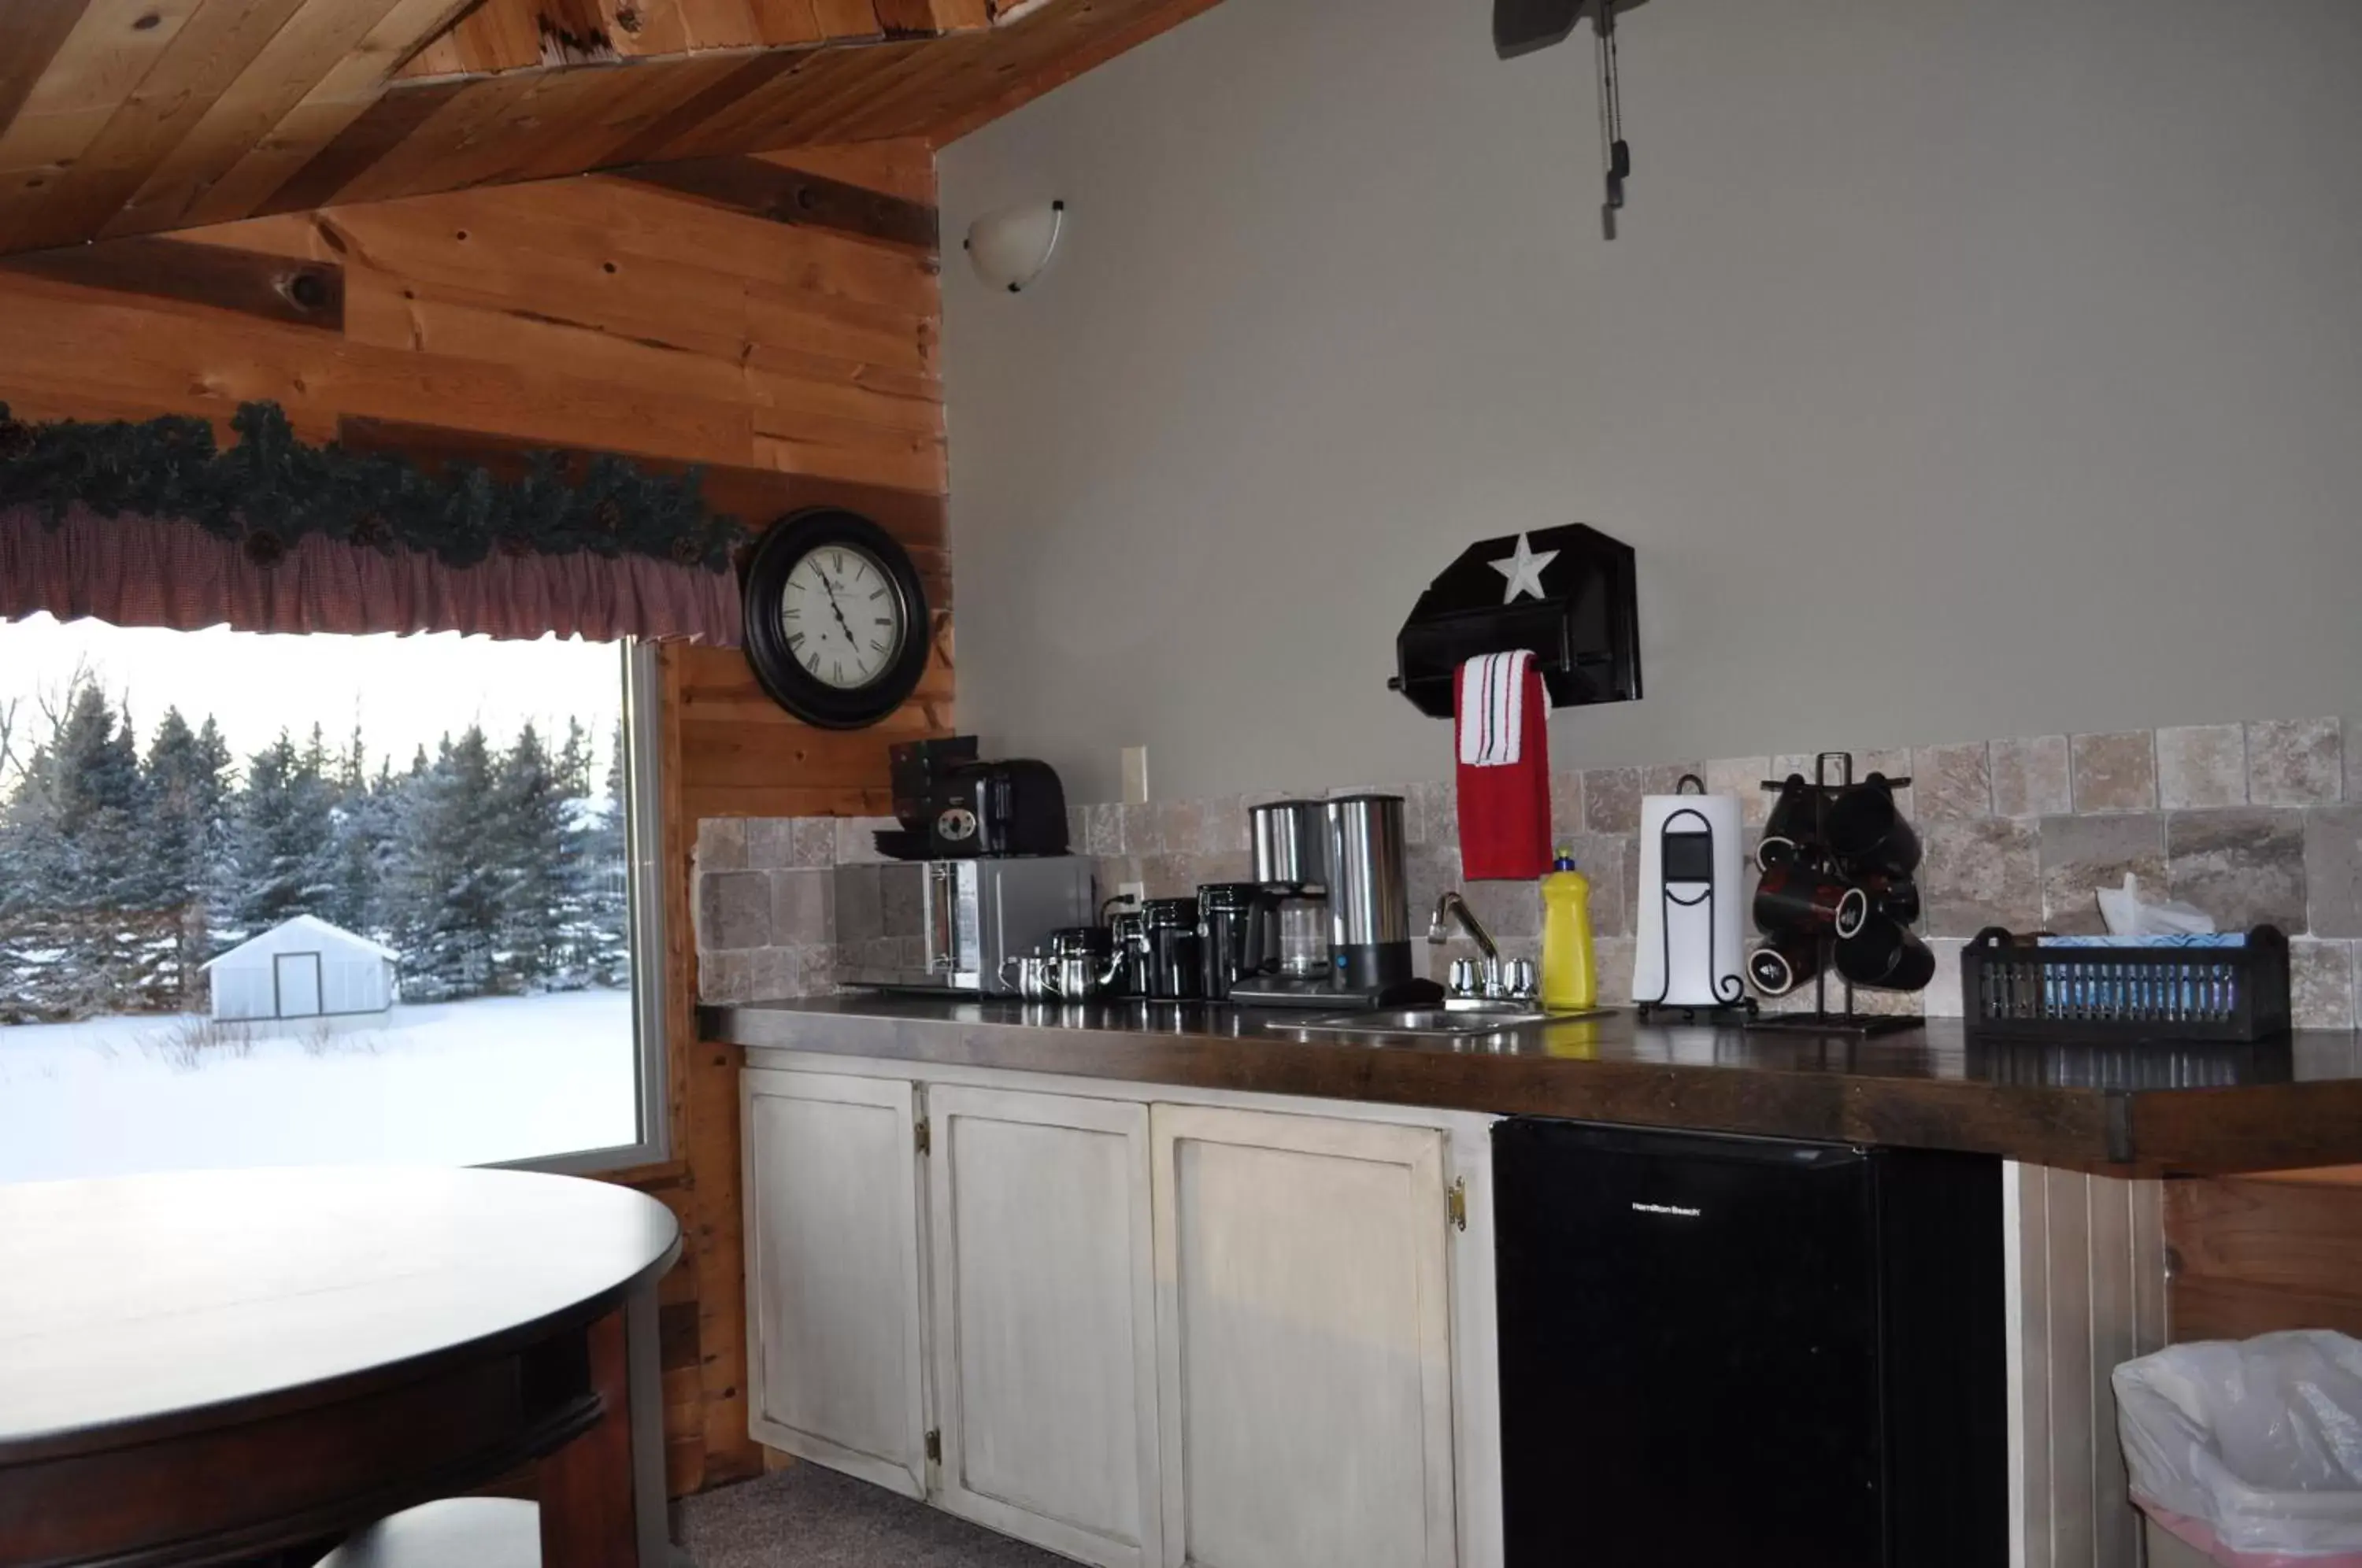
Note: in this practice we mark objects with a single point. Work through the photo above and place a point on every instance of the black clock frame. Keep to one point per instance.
(785, 679)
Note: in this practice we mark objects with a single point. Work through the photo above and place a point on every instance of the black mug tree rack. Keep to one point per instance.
(1821, 1019)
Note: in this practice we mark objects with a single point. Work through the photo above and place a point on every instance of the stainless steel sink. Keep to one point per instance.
(1424, 1021)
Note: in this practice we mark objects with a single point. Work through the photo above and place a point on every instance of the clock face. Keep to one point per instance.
(842, 616)
(837, 630)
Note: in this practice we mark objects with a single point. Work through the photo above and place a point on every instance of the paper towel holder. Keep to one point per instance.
(1690, 864)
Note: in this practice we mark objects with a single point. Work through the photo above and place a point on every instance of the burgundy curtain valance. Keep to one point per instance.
(151, 525)
(141, 571)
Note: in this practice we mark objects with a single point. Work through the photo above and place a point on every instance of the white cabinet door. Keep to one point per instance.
(1044, 1320)
(833, 1281)
(1304, 1342)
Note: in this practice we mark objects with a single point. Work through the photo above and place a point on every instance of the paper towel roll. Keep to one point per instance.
(1691, 890)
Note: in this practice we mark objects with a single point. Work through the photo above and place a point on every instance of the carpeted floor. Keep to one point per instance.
(806, 1517)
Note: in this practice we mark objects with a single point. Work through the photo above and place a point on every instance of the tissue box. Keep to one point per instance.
(2228, 987)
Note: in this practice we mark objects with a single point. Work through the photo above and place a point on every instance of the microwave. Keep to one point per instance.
(978, 914)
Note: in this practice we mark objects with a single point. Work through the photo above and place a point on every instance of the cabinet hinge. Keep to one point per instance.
(935, 1447)
(921, 1139)
(1455, 1203)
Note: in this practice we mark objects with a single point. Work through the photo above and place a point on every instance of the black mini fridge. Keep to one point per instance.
(1745, 1352)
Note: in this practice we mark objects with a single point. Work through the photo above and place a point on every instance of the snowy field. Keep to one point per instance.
(462, 1083)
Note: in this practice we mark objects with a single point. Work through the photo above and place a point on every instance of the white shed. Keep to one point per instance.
(303, 968)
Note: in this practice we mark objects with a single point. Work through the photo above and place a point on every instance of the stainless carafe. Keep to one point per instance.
(1369, 899)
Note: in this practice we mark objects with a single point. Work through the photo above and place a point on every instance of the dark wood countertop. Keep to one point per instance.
(2156, 1110)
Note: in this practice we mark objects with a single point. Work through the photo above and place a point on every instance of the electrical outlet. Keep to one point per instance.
(1136, 892)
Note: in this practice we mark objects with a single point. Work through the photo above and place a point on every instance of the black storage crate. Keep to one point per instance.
(2015, 989)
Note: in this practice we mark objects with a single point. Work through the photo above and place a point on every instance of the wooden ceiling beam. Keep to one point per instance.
(793, 196)
(299, 294)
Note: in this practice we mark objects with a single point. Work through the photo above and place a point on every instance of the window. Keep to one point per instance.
(300, 900)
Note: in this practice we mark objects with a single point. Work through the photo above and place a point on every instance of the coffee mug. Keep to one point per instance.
(1797, 898)
(1885, 955)
(1783, 962)
(1867, 830)
(1790, 825)
(1890, 898)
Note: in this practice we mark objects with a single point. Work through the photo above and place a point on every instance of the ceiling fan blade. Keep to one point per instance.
(1521, 26)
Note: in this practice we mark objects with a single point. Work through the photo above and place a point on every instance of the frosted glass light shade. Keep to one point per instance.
(1009, 248)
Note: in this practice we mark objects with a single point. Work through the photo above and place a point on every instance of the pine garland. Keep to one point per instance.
(272, 489)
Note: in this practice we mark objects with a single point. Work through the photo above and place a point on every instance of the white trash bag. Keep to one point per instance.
(2250, 1451)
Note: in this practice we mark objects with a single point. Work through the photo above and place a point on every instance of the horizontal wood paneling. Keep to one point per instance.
(2253, 1254)
(795, 362)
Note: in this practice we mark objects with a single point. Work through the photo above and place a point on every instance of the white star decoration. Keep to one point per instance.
(1524, 570)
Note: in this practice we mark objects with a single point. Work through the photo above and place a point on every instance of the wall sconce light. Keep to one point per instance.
(1009, 248)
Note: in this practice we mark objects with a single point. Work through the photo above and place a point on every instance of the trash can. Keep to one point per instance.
(2247, 1453)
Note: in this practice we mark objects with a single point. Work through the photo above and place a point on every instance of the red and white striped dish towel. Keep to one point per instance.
(1502, 730)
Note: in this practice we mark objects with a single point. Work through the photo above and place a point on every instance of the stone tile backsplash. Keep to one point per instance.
(2251, 823)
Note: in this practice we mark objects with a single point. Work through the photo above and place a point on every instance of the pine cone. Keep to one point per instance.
(372, 529)
(16, 440)
(265, 548)
(607, 516)
(688, 549)
(516, 546)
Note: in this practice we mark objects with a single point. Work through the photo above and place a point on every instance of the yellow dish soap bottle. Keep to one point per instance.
(1570, 978)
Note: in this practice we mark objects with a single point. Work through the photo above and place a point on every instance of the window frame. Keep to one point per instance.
(651, 980)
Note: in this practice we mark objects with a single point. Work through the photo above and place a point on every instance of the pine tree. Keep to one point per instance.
(189, 794)
(602, 871)
(531, 855)
(79, 918)
(283, 845)
(447, 899)
(359, 829)
(34, 952)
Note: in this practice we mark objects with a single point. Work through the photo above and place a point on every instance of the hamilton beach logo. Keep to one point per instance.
(1673, 1208)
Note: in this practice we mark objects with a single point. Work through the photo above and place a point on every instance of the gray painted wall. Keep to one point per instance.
(1964, 367)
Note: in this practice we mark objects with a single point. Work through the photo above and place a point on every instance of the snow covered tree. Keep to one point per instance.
(188, 787)
(80, 930)
(361, 830)
(531, 856)
(446, 896)
(283, 848)
(603, 872)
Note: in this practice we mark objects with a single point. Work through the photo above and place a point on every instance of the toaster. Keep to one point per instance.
(991, 810)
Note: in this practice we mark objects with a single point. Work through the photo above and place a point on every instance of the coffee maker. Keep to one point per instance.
(1351, 869)
(1291, 862)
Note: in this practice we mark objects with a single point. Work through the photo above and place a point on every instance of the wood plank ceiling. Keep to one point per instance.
(122, 118)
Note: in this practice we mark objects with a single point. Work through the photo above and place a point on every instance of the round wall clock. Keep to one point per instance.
(836, 622)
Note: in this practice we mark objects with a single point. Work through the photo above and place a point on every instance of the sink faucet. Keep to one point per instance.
(1452, 906)
(1486, 982)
